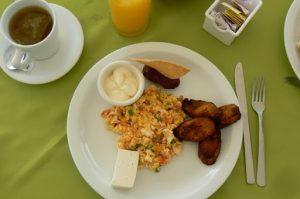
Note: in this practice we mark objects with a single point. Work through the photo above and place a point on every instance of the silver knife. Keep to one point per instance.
(241, 94)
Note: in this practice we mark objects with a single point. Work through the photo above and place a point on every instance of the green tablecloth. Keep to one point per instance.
(35, 161)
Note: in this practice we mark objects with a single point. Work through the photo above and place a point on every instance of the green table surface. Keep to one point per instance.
(35, 161)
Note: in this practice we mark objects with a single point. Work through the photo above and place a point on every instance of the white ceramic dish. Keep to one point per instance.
(292, 36)
(108, 69)
(94, 150)
(227, 36)
(71, 45)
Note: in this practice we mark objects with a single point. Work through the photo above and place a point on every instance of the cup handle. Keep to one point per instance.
(17, 59)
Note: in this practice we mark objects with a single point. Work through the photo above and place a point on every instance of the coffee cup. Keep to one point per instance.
(30, 27)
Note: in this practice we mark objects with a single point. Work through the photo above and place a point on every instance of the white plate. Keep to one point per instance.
(71, 44)
(292, 35)
(93, 147)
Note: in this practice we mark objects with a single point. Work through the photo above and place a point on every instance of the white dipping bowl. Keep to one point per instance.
(108, 69)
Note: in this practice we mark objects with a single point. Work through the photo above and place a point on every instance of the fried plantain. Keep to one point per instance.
(205, 125)
(229, 114)
(209, 149)
(196, 129)
(199, 108)
(156, 77)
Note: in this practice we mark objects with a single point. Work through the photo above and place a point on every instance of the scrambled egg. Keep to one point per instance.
(146, 126)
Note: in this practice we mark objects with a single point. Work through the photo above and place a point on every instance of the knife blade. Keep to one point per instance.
(293, 80)
(241, 94)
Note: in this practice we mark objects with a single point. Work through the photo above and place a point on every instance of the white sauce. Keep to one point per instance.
(121, 84)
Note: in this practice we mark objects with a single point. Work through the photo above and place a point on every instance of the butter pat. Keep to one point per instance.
(125, 169)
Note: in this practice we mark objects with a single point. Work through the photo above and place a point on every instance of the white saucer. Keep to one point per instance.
(71, 45)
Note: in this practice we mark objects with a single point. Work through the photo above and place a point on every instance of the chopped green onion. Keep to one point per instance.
(150, 146)
(135, 147)
(173, 141)
(130, 112)
(157, 169)
(158, 118)
(158, 98)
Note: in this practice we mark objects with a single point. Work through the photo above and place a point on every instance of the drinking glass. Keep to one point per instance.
(130, 17)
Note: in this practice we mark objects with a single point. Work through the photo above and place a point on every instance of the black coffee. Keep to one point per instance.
(30, 25)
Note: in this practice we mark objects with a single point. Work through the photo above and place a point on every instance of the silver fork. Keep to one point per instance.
(258, 104)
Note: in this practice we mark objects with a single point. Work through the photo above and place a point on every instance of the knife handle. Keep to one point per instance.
(248, 153)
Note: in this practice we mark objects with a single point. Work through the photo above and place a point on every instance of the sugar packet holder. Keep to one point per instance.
(224, 32)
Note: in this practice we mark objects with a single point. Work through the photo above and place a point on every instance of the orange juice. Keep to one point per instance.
(130, 17)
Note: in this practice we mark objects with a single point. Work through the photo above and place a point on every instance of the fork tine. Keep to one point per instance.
(263, 89)
(253, 90)
(260, 89)
(255, 94)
